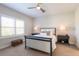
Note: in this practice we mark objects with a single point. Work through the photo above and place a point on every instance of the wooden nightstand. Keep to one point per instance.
(63, 38)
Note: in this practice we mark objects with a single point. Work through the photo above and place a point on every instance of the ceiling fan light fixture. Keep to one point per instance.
(38, 8)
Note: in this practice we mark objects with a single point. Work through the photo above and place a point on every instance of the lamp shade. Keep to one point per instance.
(62, 30)
(36, 29)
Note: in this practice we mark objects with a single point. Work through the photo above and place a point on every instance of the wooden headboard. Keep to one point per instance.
(49, 29)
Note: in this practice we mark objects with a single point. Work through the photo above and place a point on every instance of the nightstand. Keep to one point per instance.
(63, 38)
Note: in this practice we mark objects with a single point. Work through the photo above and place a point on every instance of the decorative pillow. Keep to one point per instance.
(48, 33)
(44, 34)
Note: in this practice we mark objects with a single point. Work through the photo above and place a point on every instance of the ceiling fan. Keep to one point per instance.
(38, 7)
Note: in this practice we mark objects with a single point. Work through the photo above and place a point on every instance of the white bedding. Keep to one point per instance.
(41, 45)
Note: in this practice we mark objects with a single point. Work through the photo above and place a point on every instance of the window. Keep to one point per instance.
(10, 26)
(7, 26)
(19, 27)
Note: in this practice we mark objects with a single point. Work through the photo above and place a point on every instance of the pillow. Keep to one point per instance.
(43, 34)
(46, 32)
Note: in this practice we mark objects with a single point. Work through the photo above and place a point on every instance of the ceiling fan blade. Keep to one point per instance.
(31, 7)
(42, 10)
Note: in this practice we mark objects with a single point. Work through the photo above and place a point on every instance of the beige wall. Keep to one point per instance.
(4, 42)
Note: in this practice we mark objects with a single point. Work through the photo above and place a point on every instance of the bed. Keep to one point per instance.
(44, 41)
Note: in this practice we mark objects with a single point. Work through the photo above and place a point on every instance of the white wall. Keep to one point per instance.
(12, 13)
(77, 26)
(66, 19)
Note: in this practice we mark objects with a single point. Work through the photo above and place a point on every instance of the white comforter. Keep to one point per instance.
(41, 45)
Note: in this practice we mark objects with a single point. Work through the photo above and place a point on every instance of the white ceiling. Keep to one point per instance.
(51, 8)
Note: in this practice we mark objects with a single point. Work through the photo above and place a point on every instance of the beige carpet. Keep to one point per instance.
(66, 50)
(61, 50)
